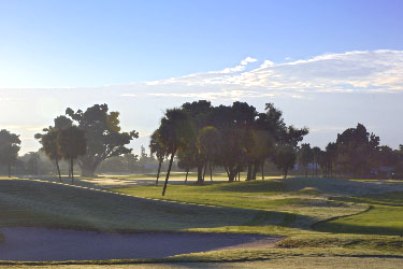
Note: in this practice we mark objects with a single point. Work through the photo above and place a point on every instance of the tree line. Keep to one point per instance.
(201, 137)
(236, 137)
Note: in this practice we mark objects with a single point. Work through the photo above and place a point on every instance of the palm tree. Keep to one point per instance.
(72, 143)
(50, 146)
(157, 147)
(175, 133)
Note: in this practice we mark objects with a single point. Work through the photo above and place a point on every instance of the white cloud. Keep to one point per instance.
(353, 71)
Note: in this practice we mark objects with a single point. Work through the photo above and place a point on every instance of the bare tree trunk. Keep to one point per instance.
(186, 177)
(211, 171)
(262, 167)
(58, 170)
(199, 173)
(158, 173)
(168, 173)
(204, 171)
(72, 170)
(285, 172)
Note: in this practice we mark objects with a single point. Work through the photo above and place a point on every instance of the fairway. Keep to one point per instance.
(297, 217)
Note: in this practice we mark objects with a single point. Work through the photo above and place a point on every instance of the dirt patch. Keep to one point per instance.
(41, 244)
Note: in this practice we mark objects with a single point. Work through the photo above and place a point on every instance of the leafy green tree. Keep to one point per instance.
(72, 144)
(9, 148)
(104, 136)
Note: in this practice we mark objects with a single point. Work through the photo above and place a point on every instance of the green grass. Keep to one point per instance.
(337, 209)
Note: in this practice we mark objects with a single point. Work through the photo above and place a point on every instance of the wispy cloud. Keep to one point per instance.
(379, 71)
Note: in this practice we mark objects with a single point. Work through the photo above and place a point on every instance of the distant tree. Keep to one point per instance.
(317, 153)
(208, 144)
(286, 149)
(356, 150)
(9, 147)
(159, 149)
(176, 131)
(199, 113)
(104, 136)
(285, 158)
(49, 140)
(305, 157)
(72, 144)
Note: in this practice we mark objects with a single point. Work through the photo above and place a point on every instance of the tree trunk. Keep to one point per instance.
(9, 170)
(199, 173)
(204, 171)
(254, 170)
(232, 175)
(58, 170)
(158, 172)
(168, 173)
(211, 171)
(187, 173)
(285, 172)
(262, 167)
(72, 170)
(249, 172)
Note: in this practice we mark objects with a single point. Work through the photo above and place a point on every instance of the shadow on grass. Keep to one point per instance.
(329, 186)
(29, 203)
(357, 229)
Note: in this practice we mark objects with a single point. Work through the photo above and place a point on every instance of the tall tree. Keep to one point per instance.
(305, 157)
(9, 147)
(158, 148)
(72, 144)
(176, 131)
(286, 149)
(49, 140)
(356, 150)
(104, 136)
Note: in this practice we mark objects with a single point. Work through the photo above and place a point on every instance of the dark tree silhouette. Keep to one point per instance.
(356, 150)
(104, 136)
(305, 157)
(159, 149)
(72, 144)
(9, 147)
(49, 140)
(176, 131)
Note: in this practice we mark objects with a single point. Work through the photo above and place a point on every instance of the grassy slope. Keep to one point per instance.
(305, 202)
(28, 203)
(286, 208)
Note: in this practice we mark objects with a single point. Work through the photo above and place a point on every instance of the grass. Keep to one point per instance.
(337, 209)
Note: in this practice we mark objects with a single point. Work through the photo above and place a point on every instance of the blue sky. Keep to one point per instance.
(142, 57)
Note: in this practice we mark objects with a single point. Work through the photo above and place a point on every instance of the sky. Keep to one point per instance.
(326, 64)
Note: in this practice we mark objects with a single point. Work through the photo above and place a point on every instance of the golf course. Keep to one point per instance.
(120, 221)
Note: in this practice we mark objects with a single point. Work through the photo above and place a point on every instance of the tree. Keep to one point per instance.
(104, 136)
(208, 143)
(305, 157)
(316, 151)
(356, 150)
(49, 140)
(158, 148)
(176, 131)
(285, 158)
(9, 147)
(72, 144)
(286, 149)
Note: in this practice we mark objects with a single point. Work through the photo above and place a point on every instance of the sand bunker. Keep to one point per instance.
(41, 244)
